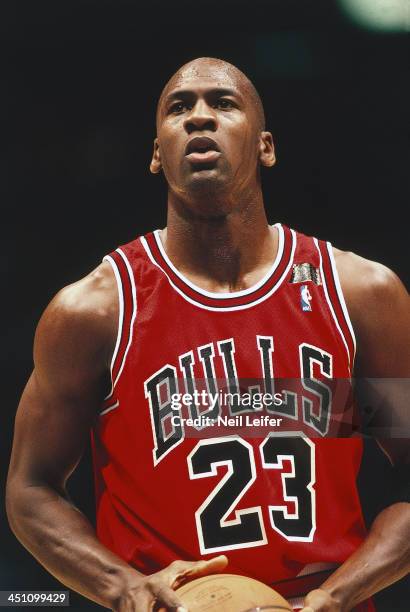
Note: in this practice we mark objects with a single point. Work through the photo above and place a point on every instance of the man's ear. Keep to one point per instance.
(156, 165)
(266, 150)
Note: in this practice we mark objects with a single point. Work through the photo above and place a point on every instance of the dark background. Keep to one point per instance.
(79, 84)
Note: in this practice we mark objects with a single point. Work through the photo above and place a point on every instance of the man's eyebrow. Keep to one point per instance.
(189, 93)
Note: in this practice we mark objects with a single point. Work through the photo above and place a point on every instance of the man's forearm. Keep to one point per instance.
(62, 540)
(383, 558)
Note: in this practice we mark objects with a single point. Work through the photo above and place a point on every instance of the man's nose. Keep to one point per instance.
(201, 117)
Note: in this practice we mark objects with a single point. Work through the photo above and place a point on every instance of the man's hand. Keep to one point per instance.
(320, 601)
(158, 589)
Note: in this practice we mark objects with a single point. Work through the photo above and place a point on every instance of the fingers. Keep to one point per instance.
(320, 600)
(167, 599)
(136, 600)
(217, 564)
(209, 566)
(180, 572)
(151, 595)
(158, 594)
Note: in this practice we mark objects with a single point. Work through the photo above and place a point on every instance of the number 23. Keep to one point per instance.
(215, 532)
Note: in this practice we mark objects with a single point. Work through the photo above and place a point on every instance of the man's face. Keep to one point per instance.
(208, 132)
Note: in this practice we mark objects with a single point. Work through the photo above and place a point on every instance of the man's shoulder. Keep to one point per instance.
(95, 294)
(376, 299)
(84, 313)
(363, 278)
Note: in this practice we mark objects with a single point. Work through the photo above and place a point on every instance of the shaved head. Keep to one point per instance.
(211, 140)
(218, 69)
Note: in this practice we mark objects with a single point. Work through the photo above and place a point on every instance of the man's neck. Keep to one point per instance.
(221, 254)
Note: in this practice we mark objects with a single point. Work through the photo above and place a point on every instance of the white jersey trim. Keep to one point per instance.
(341, 297)
(120, 330)
(134, 312)
(120, 318)
(227, 308)
(329, 302)
(117, 403)
(296, 602)
(233, 294)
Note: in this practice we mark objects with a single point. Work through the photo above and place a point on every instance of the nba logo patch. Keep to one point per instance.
(305, 298)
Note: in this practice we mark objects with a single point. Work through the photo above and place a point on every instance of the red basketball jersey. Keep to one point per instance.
(276, 495)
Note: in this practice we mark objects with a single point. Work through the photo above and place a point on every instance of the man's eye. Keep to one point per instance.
(178, 107)
(224, 103)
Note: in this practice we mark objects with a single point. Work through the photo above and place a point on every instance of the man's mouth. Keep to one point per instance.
(202, 149)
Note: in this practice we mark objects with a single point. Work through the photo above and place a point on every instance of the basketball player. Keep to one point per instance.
(217, 295)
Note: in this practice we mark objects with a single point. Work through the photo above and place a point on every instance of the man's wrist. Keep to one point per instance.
(119, 581)
(338, 593)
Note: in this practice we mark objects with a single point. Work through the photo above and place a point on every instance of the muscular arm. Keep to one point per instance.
(378, 305)
(56, 411)
(73, 346)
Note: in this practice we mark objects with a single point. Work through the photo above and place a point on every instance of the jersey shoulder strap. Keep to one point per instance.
(120, 262)
(314, 260)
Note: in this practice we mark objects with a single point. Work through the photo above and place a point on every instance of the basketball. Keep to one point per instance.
(230, 593)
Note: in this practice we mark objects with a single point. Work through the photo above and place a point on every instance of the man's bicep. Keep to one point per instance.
(68, 384)
(50, 435)
(72, 345)
(383, 327)
(383, 365)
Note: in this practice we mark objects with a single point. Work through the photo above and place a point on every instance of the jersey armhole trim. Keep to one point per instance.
(133, 315)
(350, 357)
(341, 297)
(120, 294)
(127, 296)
